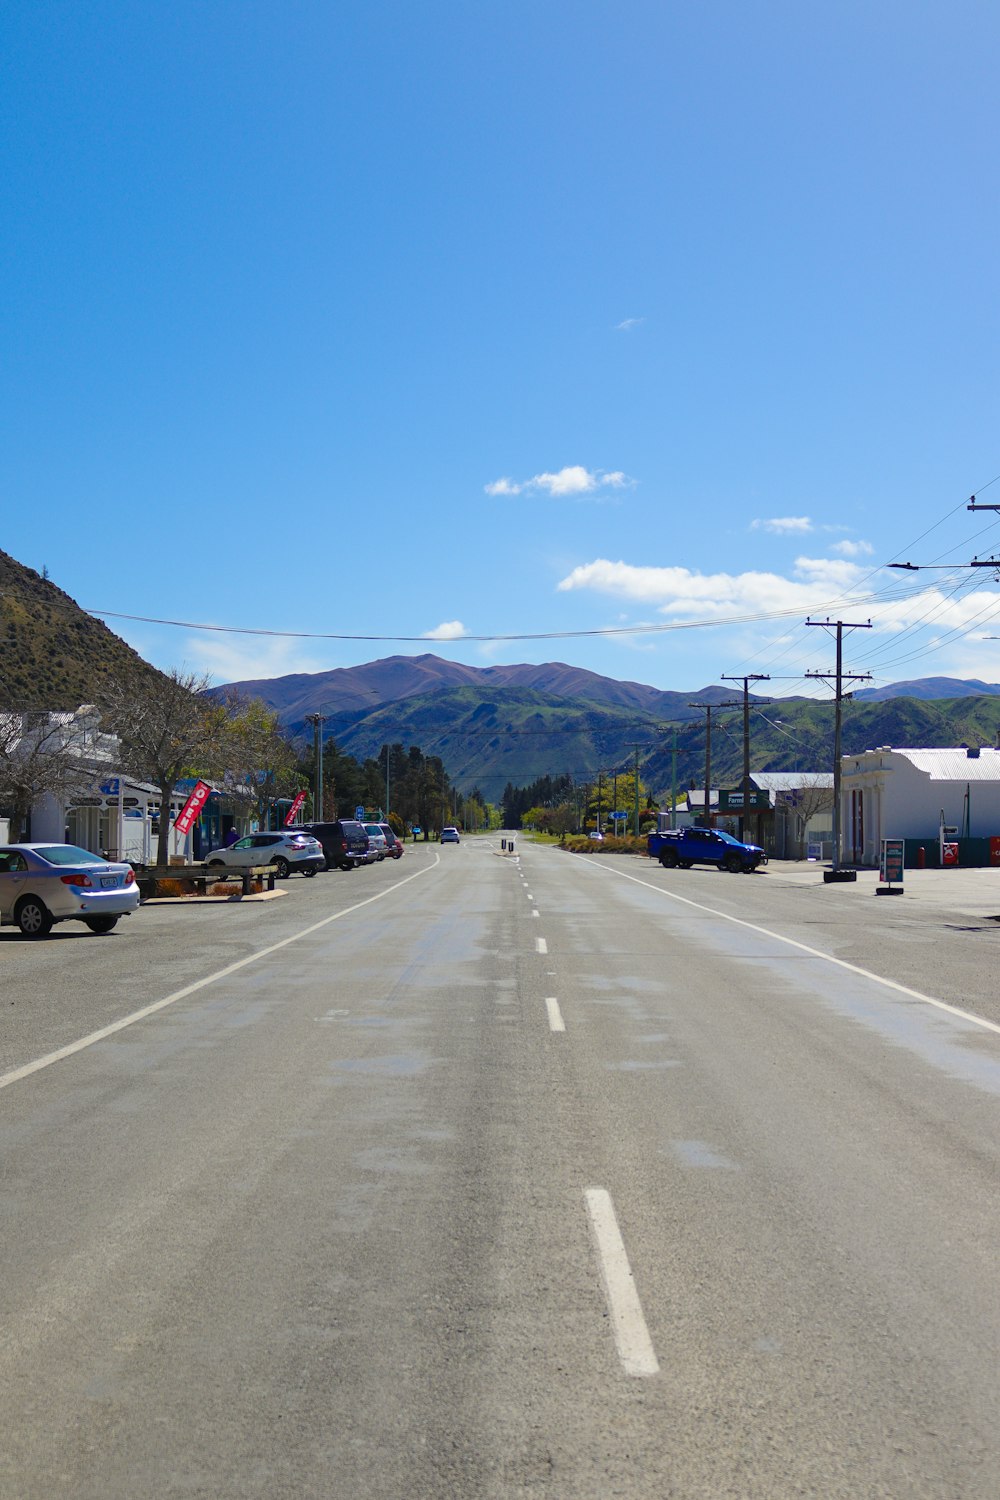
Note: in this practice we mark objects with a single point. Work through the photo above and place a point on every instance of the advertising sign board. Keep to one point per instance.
(890, 863)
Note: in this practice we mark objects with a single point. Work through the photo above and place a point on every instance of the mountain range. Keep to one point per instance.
(499, 724)
(493, 725)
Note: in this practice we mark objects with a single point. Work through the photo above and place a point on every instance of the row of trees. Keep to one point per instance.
(555, 804)
(168, 728)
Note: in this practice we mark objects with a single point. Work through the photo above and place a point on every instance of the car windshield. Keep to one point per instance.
(68, 854)
(374, 830)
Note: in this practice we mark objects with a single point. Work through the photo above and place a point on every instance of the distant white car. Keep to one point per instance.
(449, 836)
(285, 851)
(41, 884)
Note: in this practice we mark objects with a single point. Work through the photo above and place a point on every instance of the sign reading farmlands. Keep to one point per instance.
(738, 802)
(192, 807)
(293, 811)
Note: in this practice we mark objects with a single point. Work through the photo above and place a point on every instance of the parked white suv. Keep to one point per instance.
(285, 851)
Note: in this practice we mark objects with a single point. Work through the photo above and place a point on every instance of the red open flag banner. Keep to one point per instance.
(192, 807)
(295, 808)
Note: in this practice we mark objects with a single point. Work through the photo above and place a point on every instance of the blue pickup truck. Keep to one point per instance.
(679, 848)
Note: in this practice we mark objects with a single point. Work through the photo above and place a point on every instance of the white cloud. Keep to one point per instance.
(816, 583)
(234, 658)
(627, 324)
(680, 593)
(853, 549)
(449, 630)
(779, 525)
(574, 479)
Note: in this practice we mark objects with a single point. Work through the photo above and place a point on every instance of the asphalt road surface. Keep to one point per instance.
(478, 1175)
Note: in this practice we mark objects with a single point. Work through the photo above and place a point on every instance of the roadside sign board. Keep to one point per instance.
(742, 801)
(111, 787)
(890, 863)
(359, 815)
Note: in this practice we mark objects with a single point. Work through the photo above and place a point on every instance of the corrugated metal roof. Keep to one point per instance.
(955, 765)
(790, 781)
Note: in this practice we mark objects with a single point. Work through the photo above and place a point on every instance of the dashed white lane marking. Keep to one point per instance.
(529, 895)
(840, 963)
(632, 1340)
(535, 912)
(556, 1022)
(541, 946)
(16, 1074)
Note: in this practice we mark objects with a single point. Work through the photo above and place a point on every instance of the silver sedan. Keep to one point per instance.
(41, 884)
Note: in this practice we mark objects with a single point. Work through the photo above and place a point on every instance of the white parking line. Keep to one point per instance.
(556, 1022)
(16, 1074)
(632, 1340)
(541, 946)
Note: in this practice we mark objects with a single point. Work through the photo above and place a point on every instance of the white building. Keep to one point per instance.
(908, 794)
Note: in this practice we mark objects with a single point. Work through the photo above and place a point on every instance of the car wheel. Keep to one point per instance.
(33, 918)
(216, 864)
(100, 924)
(380, 858)
(668, 859)
(347, 866)
(307, 873)
(281, 868)
(733, 863)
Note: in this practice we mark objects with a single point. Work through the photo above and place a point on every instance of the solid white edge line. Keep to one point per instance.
(632, 1340)
(541, 946)
(556, 1022)
(841, 963)
(17, 1074)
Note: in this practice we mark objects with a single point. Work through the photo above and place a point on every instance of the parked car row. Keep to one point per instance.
(341, 845)
(45, 883)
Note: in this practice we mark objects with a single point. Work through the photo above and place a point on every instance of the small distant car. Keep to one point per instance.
(377, 840)
(394, 845)
(286, 851)
(41, 884)
(595, 833)
(449, 836)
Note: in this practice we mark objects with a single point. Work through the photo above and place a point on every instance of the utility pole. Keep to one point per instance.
(317, 721)
(746, 681)
(600, 794)
(637, 791)
(838, 675)
(708, 709)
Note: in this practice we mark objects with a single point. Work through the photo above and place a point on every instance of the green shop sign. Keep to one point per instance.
(744, 801)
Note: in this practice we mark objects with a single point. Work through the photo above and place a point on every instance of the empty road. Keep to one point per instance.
(483, 1176)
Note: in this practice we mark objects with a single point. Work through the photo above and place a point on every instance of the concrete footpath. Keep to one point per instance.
(974, 893)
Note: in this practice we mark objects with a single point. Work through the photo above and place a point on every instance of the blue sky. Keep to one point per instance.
(506, 319)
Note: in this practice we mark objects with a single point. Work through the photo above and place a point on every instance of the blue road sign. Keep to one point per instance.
(359, 814)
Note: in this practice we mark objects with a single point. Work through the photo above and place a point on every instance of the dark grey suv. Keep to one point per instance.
(345, 843)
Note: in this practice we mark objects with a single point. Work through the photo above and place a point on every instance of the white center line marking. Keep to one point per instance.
(632, 1340)
(541, 946)
(16, 1074)
(556, 1022)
